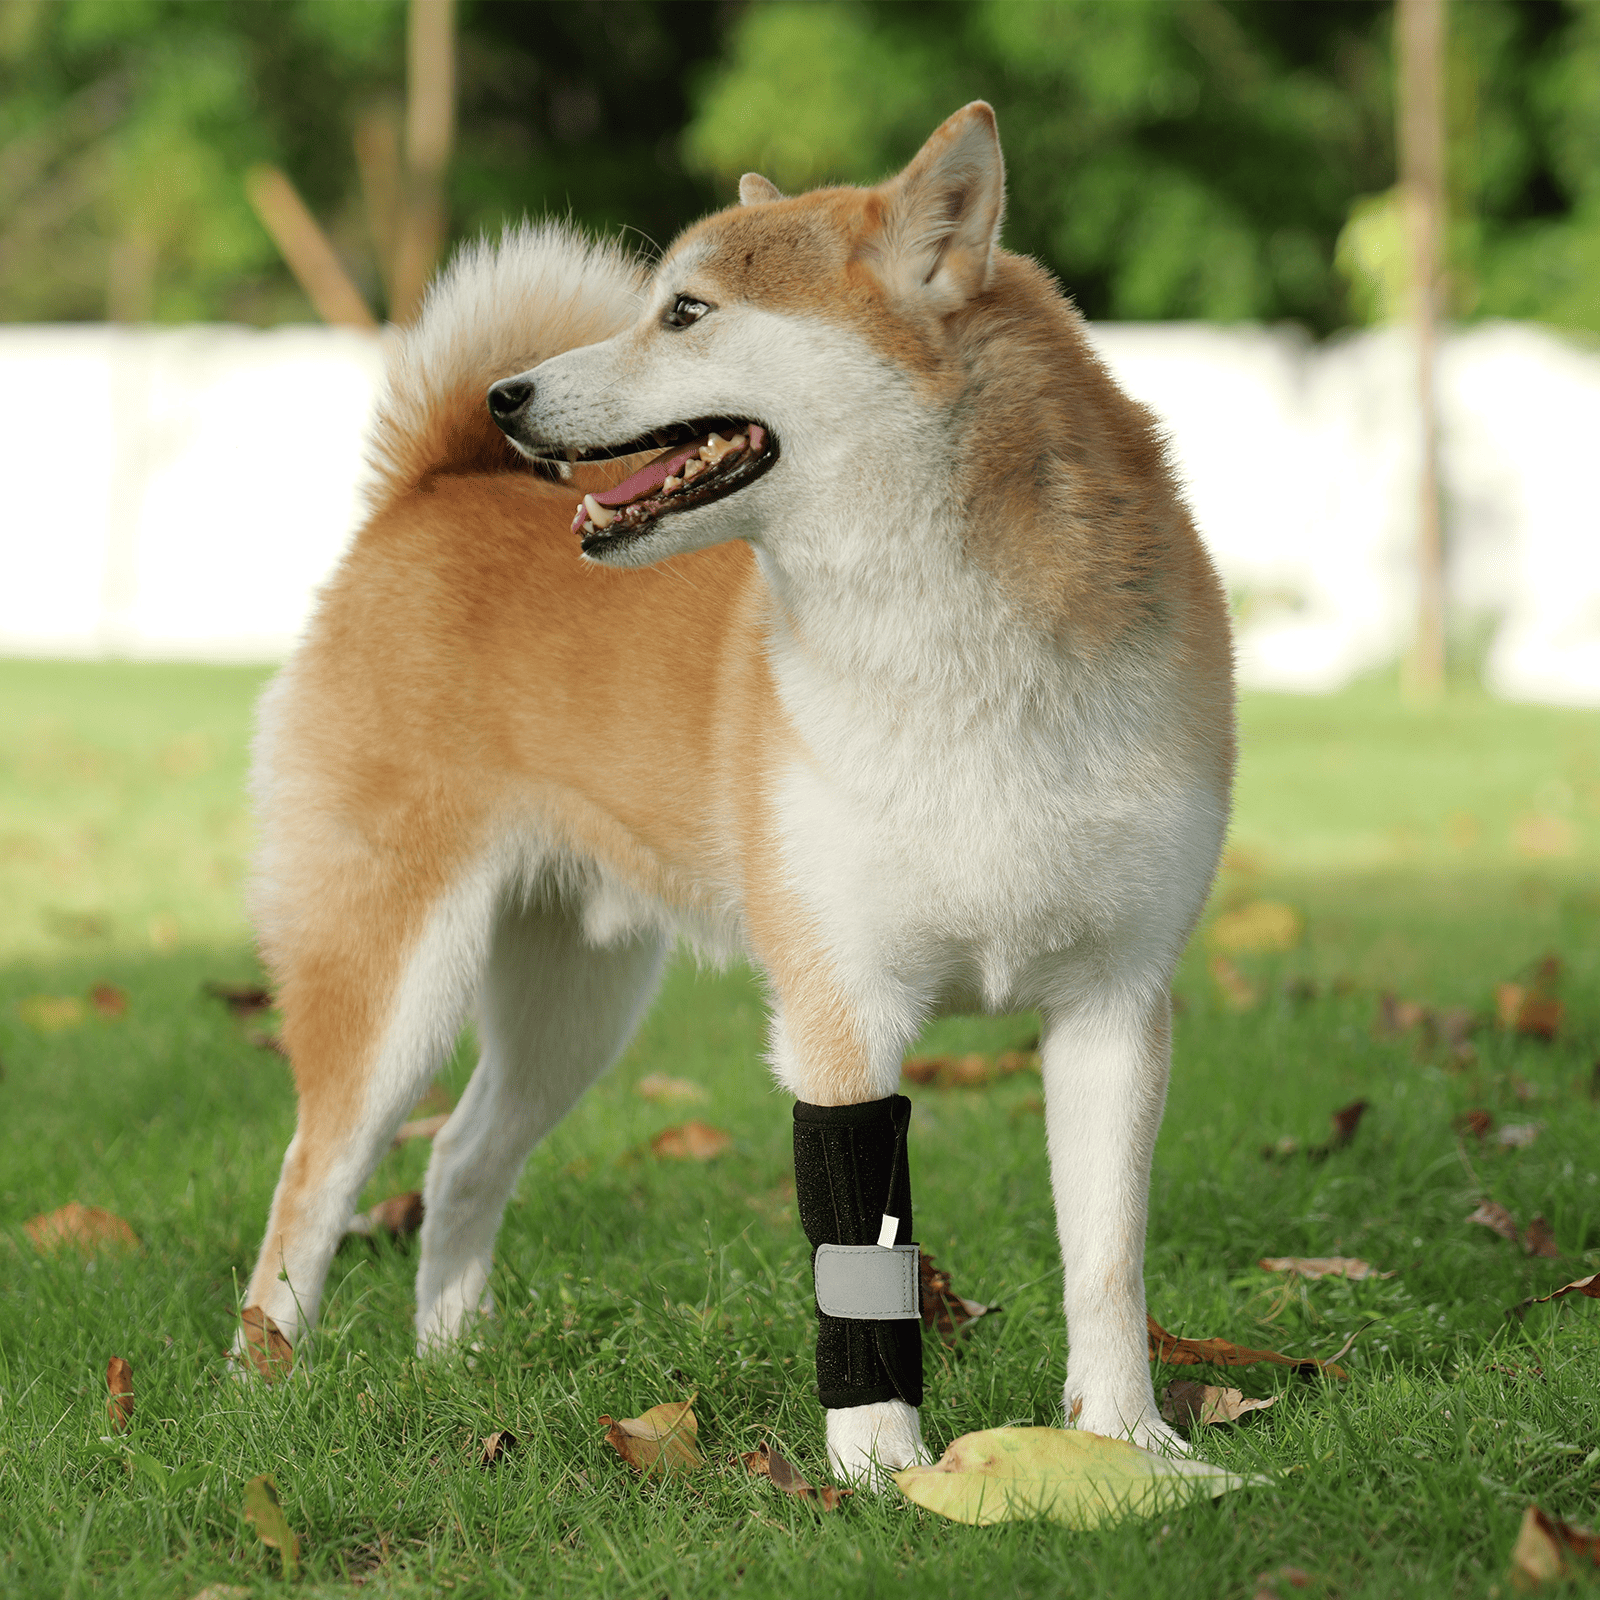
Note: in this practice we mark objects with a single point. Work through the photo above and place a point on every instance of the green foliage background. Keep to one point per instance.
(1216, 159)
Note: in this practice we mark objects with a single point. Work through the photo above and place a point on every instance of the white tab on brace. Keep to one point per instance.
(891, 1226)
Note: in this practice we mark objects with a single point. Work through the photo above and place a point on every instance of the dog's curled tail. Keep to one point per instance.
(499, 308)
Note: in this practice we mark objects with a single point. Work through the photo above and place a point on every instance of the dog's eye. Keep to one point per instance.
(684, 310)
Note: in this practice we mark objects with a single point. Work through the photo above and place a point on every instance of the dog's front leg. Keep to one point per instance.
(853, 1190)
(1106, 1059)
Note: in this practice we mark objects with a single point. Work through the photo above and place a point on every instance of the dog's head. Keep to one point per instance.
(783, 343)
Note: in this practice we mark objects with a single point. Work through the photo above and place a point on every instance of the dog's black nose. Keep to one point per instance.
(508, 397)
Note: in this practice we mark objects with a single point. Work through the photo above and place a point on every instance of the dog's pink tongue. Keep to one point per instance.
(651, 476)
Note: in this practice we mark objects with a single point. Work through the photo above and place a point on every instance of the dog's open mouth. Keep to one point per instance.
(703, 461)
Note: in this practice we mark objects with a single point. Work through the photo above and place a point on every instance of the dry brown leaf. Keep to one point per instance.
(1013, 1061)
(1345, 1122)
(1477, 1122)
(108, 999)
(422, 1128)
(1176, 1352)
(51, 1013)
(766, 1462)
(1272, 1585)
(1532, 1008)
(1550, 1551)
(1518, 1135)
(496, 1447)
(1540, 1239)
(242, 999)
(691, 1141)
(665, 1091)
(1399, 1016)
(942, 1308)
(1491, 1214)
(119, 1380)
(1238, 993)
(662, 1440)
(270, 1353)
(1589, 1286)
(79, 1227)
(1350, 1267)
(1200, 1405)
(398, 1217)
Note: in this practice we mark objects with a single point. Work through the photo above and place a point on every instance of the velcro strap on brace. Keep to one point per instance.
(852, 1185)
(868, 1282)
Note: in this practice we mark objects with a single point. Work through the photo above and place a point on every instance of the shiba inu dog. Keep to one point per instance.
(815, 597)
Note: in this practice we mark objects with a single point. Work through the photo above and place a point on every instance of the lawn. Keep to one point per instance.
(1432, 854)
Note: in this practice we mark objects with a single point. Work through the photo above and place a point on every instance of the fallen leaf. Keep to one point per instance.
(119, 1380)
(270, 1353)
(1491, 1214)
(942, 1308)
(398, 1217)
(766, 1462)
(1540, 836)
(1200, 1405)
(1398, 1016)
(1550, 1551)
(1540, 1239)
(1013, 1061)
(691, 1141)
(1238, 993)
(1589, 1286)
(1477, 1122)
(1261, 926)
(1178, 1352)
(497, 1447)
(263, 1509)
(108, 1000)
(79, 1227)
(1345, 1122)
(1270, 1585)
(51, 1013)
(1080, 1479)
(664, 1090)
(662, 1440)
(949, 1072)
(1532, 1008)
(1519, 1135)
(422, 1128)
(242, 999)
(1323, 1267)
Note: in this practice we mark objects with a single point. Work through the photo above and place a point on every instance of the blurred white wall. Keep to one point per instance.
(179, 494)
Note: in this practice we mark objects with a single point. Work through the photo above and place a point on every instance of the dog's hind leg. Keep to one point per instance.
(1106, 1057)
(368, 1016)
(554, 1012)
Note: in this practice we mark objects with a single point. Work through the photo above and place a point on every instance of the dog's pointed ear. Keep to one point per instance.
(754, 190)
(942, 217)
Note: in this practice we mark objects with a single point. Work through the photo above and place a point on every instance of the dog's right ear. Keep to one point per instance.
(754, 190)
(942, 214)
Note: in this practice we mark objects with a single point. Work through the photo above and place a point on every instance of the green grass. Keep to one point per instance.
(1410, 840)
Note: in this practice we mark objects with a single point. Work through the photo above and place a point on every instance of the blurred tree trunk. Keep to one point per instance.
(305, 247)
(1419, 29)
(430, 127)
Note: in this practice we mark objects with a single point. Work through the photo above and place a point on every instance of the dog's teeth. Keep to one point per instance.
(716, 447)
(738, 442)
(669, 484)
(598, 514)
(693, 469)
(588, 527)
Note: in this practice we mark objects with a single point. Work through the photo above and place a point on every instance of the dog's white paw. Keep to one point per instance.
(1146, 1429)
(867, 1443)
(447, 1321)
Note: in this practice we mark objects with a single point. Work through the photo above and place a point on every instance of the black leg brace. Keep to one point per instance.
(850, 1170)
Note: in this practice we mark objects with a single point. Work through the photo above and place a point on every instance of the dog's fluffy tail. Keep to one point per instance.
(497, 309)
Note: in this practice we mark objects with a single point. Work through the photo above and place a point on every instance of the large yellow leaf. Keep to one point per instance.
(1081, 1479)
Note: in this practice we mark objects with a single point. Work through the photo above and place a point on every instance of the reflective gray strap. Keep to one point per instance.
(868, 1283)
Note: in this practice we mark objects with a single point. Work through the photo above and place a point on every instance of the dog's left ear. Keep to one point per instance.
(754, 190)
(942, 217)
